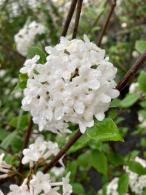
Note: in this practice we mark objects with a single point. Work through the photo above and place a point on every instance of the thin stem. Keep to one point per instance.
(76, 136)
(133, 70)
(69, 17)
(78, 13)
(26, 142)
(105, 26)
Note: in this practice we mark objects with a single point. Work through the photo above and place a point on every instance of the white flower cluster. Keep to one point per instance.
(41, 184)
(25, 38)
(137, 183)
(40, 150)
(75, 84)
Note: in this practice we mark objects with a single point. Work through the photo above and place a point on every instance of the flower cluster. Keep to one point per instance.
(41, 184)
(40, 150)
(75, 84)
(136, 183)
(25, 38)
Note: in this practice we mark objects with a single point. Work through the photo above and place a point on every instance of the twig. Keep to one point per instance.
(113, 5)
(78, 13)
(26, 142)
(133, 70)
(69, 17)
(76, 136)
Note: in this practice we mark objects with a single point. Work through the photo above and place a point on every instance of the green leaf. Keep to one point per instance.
(136, 167)
(99, 162)
(142, 81)
(37, 51)
(143, 104)
(129, 100)
(78, 189)
(22, 81)
(123, 184)
(9, 140)
(105, 130)
(82, 142)
(140, 46)
(3, 134)
(20, 122)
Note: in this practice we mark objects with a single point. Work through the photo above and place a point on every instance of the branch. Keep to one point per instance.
(103, 31)
(26, 142)
(69, 17)
(73, 140)
(133, 70)
(78, 13)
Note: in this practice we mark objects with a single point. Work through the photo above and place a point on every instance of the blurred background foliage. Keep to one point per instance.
(92, 163)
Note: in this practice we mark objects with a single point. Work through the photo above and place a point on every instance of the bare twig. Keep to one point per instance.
(103, 31)
(26, 142)
(133, 70)
(76, 136)
(69, 17)
(78, 13)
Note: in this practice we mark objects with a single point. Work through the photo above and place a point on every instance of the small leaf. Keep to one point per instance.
(9, 140)
(99, 162)
(137, 167)
(140, 46)
(143, 104)
(105, 130)
(142, 81)
(129, 100)
(78, 188)
(37, 51)
(123, 184)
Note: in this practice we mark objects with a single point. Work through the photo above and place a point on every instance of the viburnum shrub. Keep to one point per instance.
(75, 113)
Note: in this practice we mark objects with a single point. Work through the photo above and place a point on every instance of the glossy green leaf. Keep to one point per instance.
(105, 130)
(137, 167)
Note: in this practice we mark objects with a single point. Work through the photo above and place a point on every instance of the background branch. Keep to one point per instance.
(78, 13)
(69, 17)
(105, 26)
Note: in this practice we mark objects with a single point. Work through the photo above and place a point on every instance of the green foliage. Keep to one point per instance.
(123, 184)
(136, 167)
(140, 46)
(37, 51)
(129, 100)
(105, 130)
(142, 81)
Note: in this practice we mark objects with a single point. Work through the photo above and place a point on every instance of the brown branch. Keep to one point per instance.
(69, 17)
(76, 136)
(78, 13)
(105, 26)
(25, 144)
(133, 70)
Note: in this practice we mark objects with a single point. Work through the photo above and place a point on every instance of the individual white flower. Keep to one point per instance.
(75, 84)
(134, 88)
(137, 183)
(57, 171)
(40, 183)
(39, 150)
(67, 188)
(25, 38)
(142, 121)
